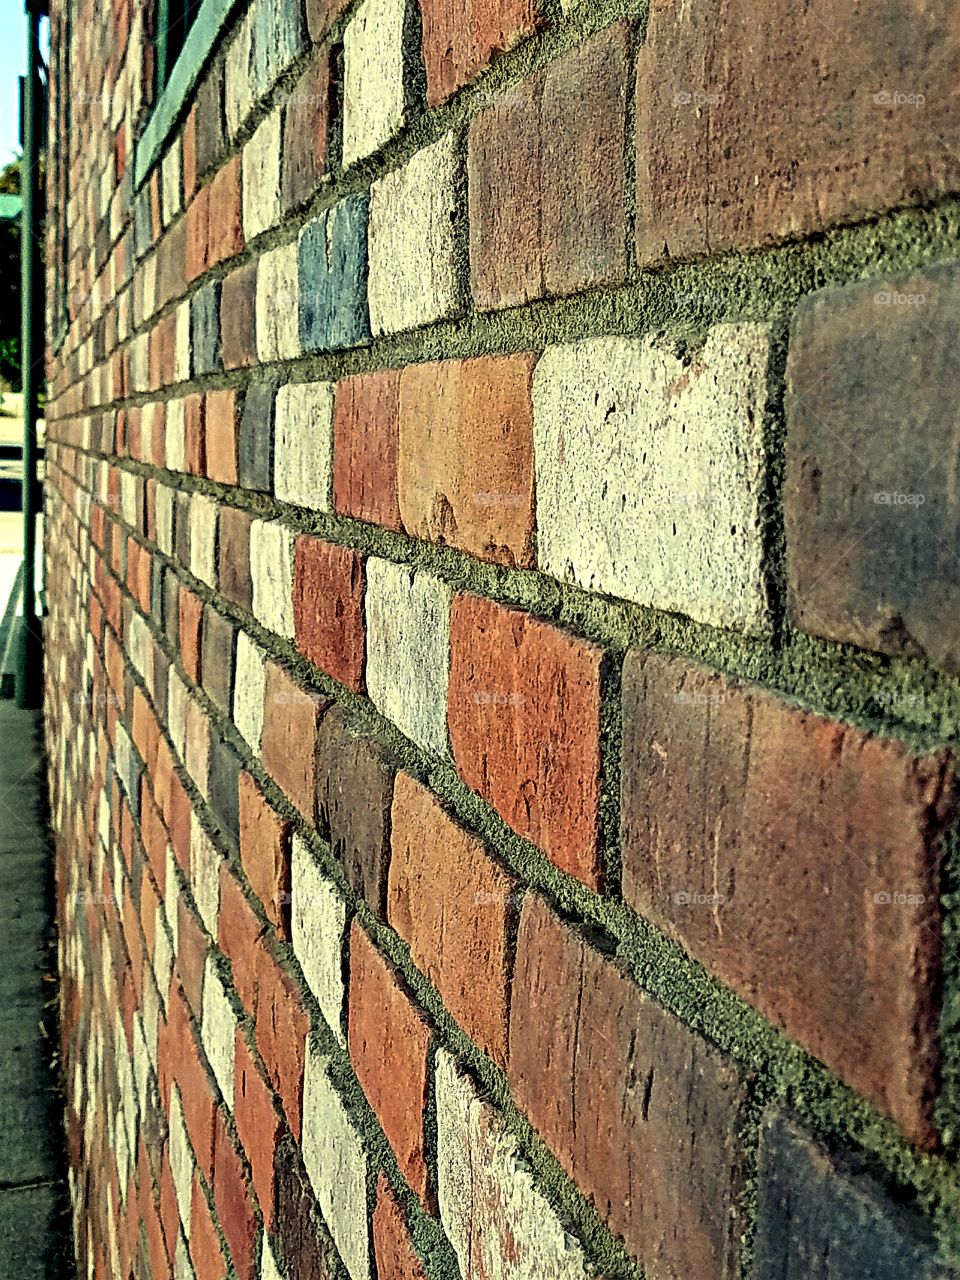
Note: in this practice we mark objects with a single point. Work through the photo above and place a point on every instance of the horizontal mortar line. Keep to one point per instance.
(749, 284)
(455, 1037)
(729, 1021)
(615, 624)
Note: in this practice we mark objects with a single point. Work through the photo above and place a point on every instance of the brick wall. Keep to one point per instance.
(503, 651)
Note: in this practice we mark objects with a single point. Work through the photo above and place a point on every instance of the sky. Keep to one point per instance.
(13, 57)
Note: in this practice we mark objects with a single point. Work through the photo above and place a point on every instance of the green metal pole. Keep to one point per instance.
(30, 665)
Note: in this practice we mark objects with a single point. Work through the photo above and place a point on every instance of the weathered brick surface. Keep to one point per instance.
(393, 1248)
(365, 448)
(373, 92)
(870, 510)
(674, 1194)
(637, 447)
(265, 853)
(524, 713)
(729, 851)
(412, 244)
(303, 444)
(547, 203)
(465, 474)
(408, 648)
(813, 161)
(354, 794)
(305, 127)
(291, 716)
(336, 1164)
(389, 1042)
(332, 264)
(453, 905)
(328, 587)
(461, 38)
(499, 1222)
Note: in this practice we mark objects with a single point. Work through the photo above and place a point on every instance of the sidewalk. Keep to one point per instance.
(33, 1224)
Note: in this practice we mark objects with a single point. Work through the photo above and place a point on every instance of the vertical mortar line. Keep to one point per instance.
(636, 38)
(773, 435)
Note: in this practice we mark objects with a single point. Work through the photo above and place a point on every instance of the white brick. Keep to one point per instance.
(164, 518)
(203, 538)
(248, 691)
(271, 568)
(218, 1030)
(278, 304)
(171, 183)
(498, 1221)
(261, 178)
(650, 472)
(412, 248)
(181, 1161)
(318, 921)
(205, 873)
(336, 1166)
(408, 649)
(183, 1269)
(373, 106)
(303, 445)
(173, 436)
(238, 95)
(171, 898)
(268, 1265)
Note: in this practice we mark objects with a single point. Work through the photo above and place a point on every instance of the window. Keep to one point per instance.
(175, 18)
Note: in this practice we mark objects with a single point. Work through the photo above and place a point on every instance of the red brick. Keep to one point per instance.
(191, 956)
(205, 1251)
(234, 1204)
(328, 609)
(225, 236)
(546, 174)
(289, 744)
(239, 934)
(396, 1259)
(196, 1092)
(389, 1040)
(191, 630)
(366, 426)
(452, 905)
(524, 714)
(258, 1126)
(282, 1028)
(238, 317)
(766, 840)
(190, 155)
(198, 235)
(265, 853)
(220, 436)
(827, 153)
(599, 1068)
(305, 132)
(234, 578)
(194, 435)
(461, 38)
